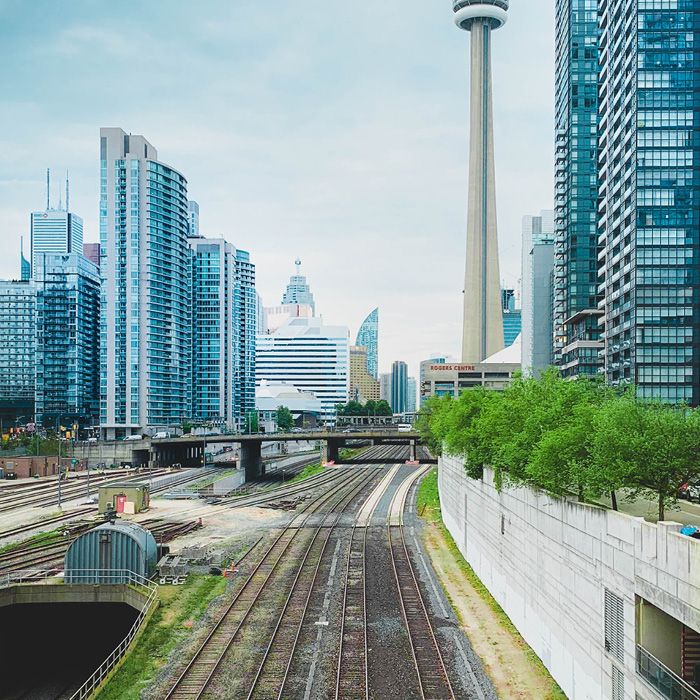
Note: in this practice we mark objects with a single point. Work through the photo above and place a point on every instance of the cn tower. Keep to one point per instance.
(483, 316)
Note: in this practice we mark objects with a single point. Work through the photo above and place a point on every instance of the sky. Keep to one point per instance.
(333, 132)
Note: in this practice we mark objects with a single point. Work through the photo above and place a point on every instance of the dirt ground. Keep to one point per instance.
(504, 656)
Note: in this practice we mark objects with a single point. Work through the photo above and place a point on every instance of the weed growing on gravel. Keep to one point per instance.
(180, 607)
(311, 470)
(428, 506)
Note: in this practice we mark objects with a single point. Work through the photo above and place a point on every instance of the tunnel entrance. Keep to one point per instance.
(49, 649)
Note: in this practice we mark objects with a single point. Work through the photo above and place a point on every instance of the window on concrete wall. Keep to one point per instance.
(618, 684)
(614, 626)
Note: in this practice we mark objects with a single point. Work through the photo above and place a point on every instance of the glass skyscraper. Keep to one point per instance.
(17, 346)
(576, 331)
(145, 322)
(224, 324)
(512, 317)
(399, 387)
(368, 337)
(67, 339)
(55, 231)
(649, 195)
(214, 329)
(246, 314)
(298, 290)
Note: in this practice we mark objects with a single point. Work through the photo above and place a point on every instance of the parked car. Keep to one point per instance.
(690, 492)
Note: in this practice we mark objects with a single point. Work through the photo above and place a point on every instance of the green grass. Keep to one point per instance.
(311, 470)
(40, 540)
(180, 607)
(428, 506)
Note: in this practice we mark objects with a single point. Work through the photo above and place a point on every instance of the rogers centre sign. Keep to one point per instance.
(452, 368)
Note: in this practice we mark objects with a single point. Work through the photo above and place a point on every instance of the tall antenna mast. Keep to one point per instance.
(48, 189)
(67, 192)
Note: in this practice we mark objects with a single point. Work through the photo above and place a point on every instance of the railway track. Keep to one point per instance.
(352, 682)
(430, 667)
(45, 493)
(272, 671)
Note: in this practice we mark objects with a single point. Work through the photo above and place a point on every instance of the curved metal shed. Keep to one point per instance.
(104, 553)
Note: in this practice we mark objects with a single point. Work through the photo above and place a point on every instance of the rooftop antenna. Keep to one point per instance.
(60, 199)
(48, 189)
(67, 191)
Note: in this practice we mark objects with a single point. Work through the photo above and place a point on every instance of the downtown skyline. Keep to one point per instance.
(322, 155)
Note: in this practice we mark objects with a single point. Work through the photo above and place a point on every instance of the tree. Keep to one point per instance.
(383, 408)
(285, 420)
(650, 448)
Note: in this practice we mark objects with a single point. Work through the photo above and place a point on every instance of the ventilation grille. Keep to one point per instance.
(614, 626)
(618, 684)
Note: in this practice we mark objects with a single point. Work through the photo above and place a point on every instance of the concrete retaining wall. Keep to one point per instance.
(72, 593)
(548, 562)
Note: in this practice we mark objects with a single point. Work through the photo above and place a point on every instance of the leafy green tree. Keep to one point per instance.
(383, 408)
(370, 408)
(650, 448)
(285, 420)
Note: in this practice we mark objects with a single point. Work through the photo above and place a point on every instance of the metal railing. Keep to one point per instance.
(663, 679)
(122, 577)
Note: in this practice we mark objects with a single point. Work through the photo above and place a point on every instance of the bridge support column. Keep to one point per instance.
(330, 450)
(412, 451)
(251, 460)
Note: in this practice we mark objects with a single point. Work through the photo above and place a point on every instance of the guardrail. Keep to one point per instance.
(662, 678)
(108, 577)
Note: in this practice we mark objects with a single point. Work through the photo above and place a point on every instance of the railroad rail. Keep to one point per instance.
(430, 667)
(198, 674)
(352, 681)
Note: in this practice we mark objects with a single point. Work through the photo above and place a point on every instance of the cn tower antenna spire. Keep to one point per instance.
(482, 317)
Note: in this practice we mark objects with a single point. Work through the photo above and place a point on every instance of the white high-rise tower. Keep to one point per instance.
(483, 324)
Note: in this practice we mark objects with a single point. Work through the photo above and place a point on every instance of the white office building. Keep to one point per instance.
(56, 232)
(310, 356)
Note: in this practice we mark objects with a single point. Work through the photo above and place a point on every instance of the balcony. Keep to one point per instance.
(662, 679)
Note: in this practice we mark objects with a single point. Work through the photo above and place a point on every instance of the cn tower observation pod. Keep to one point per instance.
(495, 12)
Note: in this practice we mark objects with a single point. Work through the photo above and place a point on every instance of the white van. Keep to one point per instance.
(133, 437)
(404, 427)
(162, 436)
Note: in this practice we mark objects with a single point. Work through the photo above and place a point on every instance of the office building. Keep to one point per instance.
(24, 265)
(363, 386)
(193, 216)
(512, 317)
(275, 317)
(17, 351)
(446, 378)
(246, 311)
(482, 318)
(537, 293)
(298, 290)
(309, 355)
(649, 194)
(67, 340)
(145, 327)
(576, 329)
(385, 387)
(411, 395)
(92, 252)
(399, 386)
(368, 337)
(55, 231)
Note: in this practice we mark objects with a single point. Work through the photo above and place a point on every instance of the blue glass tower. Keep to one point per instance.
(399, 387)
(649, 195)
(145, 326)
(67, 339)
(368, 337)
(214, 330)
(17, 350)
(245, 311)
(575, 313)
